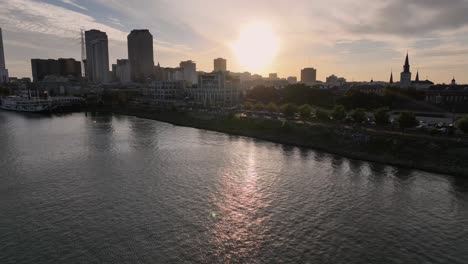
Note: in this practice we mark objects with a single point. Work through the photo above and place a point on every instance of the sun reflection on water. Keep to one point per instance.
(241, 228)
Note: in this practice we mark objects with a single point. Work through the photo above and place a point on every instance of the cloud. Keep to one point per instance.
(73, 3)
(357, 38)
(32, 16)
(411, 18)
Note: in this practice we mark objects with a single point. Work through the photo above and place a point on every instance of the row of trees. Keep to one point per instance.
(288, 110)
(300, 94)
(393, 97)
(380, 116)
(339, 114)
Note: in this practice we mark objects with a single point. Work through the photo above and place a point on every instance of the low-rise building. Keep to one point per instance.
(292, 80)
(452, 95)
(216, 90)
(334, 81)
(59, 85)
(122, 71)
(165, 93)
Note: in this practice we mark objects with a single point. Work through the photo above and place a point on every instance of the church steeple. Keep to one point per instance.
(407, 65)
(405, 80)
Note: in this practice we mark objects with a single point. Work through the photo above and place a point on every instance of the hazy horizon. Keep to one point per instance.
(356, 41)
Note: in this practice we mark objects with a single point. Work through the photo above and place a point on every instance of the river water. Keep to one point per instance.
(114, 189)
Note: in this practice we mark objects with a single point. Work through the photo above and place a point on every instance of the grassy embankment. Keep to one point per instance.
(434, 154)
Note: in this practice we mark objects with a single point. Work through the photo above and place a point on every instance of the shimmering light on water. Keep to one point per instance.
(112, 189)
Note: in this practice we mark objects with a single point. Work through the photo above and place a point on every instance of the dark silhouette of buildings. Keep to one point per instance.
(122, 71)
(405, 79)
(309, 76)
(97, 56)
(220, 65)
(61, 67)
(140, 54)
(453, 97)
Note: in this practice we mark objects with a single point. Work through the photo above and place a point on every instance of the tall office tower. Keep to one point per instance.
(405, 79)
(309, 76)
(61, 67)
(42, 68)
(3, 70)
(97, 56)
(189, 71)
(69, 67)
(220, 65)
(140, 54)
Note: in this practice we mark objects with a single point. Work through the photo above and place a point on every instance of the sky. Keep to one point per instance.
(359, 40)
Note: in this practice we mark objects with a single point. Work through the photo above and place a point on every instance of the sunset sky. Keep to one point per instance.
(358, 40)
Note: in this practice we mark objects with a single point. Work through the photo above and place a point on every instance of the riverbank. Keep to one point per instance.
(432, 154)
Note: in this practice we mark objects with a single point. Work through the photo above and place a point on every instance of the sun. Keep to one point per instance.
(256, 47)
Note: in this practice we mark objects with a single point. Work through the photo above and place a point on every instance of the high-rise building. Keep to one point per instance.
(140, 54)
(220, 65)
(61, 67)
(69, 67)
(405, 79)
(42, 68)
(309, 76)
(189, 71)
(3, 69)
(97, 56)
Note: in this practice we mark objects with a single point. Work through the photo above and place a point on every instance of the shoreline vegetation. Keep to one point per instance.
(435, 154)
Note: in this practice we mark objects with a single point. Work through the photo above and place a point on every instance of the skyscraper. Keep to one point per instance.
(309, 76)
(3, 70)
(140, 54)
(405, 79)
(220, 65)
(97, 56)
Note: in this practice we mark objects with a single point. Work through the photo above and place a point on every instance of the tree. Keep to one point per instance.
(247, 106)
(259, 107)
(302, 94)
(407, 120)
(339, 113)
(462, 124)
(322, 115)
(358, 115)
(4, 91)
(289, 109)
(272, 107)
(381, 117)
(263, 94)
(305, 111)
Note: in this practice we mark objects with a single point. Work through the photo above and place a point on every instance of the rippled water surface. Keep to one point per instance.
(110, 189)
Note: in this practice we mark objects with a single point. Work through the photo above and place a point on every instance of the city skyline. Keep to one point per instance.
(50, 29)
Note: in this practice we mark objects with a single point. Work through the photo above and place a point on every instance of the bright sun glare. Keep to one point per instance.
(256, 46)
